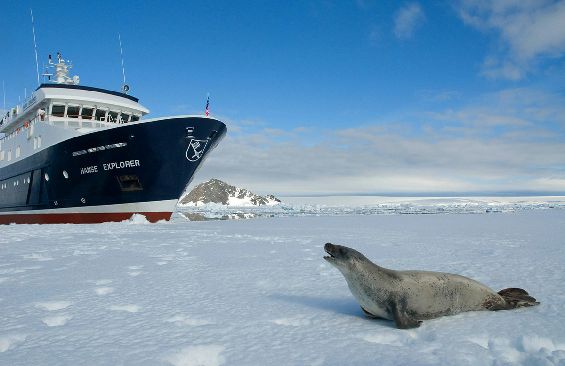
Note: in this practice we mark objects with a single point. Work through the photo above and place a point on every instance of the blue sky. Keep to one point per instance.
(329, 96)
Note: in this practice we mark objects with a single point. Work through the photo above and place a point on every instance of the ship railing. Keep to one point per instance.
(75, 122)
(25, 127)
(67, 122)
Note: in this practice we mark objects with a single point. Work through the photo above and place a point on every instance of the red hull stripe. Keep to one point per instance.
(79, 218)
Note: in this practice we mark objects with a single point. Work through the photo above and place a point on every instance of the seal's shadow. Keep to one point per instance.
(341, 305)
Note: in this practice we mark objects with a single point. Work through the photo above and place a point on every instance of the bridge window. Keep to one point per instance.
(100, 115)
(134, 118)
(58, 110)
(112, 116)
(72, 111)
(86, 112)
(124, 118)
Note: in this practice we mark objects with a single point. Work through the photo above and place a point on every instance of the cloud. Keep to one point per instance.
(407, 19)
(529, 32)
(506, 141)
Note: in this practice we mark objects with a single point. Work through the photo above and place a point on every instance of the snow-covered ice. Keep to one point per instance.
(371, 205)
(256, 292)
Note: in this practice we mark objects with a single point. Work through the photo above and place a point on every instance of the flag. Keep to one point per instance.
(207, 105)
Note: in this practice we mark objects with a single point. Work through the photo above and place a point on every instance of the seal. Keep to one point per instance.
(409, 297)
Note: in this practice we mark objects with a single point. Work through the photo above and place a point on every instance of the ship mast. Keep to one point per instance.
(62, 68)
(35, 46)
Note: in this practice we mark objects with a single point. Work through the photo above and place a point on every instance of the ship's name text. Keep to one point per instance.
(110, 166)
(89, 169)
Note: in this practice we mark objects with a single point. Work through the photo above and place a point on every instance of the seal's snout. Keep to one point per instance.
(330, 249)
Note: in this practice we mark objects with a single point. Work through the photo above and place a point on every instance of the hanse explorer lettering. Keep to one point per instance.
(121, 164)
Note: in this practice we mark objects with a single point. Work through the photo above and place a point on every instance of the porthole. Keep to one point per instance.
(46, 177)
(65, 174)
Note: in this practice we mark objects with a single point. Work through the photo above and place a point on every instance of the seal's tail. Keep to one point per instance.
(517, 298)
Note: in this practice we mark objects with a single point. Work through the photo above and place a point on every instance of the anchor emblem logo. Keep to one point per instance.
(196, 149)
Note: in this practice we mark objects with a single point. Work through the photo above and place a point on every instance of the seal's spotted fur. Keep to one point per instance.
(408, 297)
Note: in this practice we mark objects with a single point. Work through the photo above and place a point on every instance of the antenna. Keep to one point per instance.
(35, 47)
(125, 87)
(4, 90)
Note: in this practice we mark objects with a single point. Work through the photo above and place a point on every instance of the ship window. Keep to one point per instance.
(2, 155)
(46, 177)
(100, 115)
(65, 174)
(38, 142)
(134, 118)
(18, 152)
(72, 111)
(129, 183)
(9, 155)
(58, 110)
(112, 116)
(86, 113)
(124, 118)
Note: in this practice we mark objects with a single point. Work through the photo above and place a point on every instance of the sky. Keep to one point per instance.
(329, 97)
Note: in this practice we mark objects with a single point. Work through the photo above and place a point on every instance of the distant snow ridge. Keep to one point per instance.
(218, 192)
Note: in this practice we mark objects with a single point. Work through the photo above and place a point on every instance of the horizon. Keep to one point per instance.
(319, 96)
(489, 194)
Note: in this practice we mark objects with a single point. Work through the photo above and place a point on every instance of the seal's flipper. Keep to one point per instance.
(369, 315)
(517, 298)
(403, 320)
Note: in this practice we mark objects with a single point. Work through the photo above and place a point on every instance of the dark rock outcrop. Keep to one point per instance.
(216, 191)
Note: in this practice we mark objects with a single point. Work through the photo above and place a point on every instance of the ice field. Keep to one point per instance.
(257, 291)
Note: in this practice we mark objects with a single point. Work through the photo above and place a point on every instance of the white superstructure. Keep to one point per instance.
(61, 110)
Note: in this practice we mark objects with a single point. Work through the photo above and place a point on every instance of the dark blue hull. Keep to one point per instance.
(109, 174)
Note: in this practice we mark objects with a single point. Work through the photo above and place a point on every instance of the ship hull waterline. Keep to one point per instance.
(109, 175)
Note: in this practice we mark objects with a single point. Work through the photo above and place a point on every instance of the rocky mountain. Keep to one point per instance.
(216, 191)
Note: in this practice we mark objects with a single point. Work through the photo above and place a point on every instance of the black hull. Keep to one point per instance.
(108, 175)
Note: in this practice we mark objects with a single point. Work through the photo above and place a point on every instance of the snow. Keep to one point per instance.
(257, 291)
(233, 201)
(369, 205)
(246, 201)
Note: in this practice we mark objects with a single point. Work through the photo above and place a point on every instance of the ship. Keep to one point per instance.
(79, 154)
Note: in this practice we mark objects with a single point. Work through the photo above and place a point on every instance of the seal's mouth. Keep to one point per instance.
(329, 248)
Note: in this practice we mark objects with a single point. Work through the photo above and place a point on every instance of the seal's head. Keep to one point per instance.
(343, 258)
